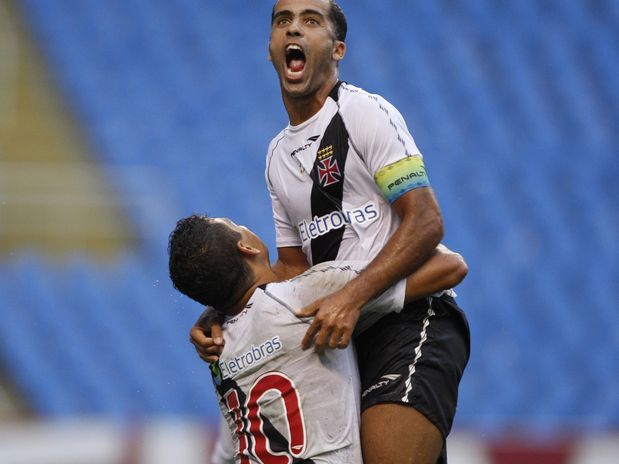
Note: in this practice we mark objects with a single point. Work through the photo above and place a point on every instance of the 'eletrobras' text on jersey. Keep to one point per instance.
(277, 397)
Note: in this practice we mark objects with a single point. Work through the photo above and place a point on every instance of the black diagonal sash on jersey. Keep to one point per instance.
(328, 176)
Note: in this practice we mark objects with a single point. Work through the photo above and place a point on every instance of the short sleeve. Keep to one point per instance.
(379, 134)
(391, 300)
(286, 234)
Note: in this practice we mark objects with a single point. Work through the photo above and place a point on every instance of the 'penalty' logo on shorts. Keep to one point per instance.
(402, 176)
(383, 382)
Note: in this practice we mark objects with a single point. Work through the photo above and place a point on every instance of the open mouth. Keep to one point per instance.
(295, 60)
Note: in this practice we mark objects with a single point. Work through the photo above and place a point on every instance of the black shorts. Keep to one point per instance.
(416, 357)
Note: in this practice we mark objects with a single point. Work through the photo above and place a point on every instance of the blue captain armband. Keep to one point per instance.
(407, 174)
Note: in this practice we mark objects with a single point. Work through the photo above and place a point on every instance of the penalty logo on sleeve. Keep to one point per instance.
(400, 177)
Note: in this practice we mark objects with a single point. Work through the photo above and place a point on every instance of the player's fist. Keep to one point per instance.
(207, 337)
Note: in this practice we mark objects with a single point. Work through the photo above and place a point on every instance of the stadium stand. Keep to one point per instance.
(514, 104)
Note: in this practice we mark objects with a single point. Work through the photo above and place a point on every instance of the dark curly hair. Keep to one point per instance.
(336, 14)
(204, 262)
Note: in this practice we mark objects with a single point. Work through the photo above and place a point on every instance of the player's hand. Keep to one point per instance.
(207, 337)
(335, 317)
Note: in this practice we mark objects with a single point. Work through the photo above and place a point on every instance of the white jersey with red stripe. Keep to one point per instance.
(281, 403)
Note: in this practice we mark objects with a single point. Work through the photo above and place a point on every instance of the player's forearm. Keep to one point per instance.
(445, 269)
(411, 245)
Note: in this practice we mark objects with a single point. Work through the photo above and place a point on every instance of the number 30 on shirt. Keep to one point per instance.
(253, 429)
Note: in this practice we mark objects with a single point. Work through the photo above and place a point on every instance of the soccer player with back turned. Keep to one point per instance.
(282, 403)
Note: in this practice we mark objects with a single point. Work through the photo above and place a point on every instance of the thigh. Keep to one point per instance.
(416, 359)
(399, 434)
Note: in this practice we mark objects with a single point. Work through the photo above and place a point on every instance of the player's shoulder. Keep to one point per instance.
(271, 301)
(271, 154)
(359, 108)
(355, 98)
(318, 281)
(334, 266)
(275, 141)
(328, 275)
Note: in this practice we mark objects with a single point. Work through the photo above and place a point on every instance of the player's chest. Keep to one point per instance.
(321, 178)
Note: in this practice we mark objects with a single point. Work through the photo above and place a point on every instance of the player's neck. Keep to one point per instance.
(265, 276)
(302, 108)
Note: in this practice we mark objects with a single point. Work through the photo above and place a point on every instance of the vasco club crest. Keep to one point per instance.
(328, 170)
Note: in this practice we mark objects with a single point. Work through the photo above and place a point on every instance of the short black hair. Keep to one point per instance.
(336, 14)
(204, 262)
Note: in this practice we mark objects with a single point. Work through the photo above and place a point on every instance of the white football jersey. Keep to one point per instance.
(283, 404)
(322, 177)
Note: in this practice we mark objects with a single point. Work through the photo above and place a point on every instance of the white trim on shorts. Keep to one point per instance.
(423, 336)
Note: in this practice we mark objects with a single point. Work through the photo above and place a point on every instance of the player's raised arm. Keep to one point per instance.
(413, 243)
(444, 270)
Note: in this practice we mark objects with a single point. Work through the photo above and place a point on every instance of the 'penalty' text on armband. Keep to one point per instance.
(402, 176)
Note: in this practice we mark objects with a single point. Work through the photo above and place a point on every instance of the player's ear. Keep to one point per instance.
(339, 50)
(246, 249)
